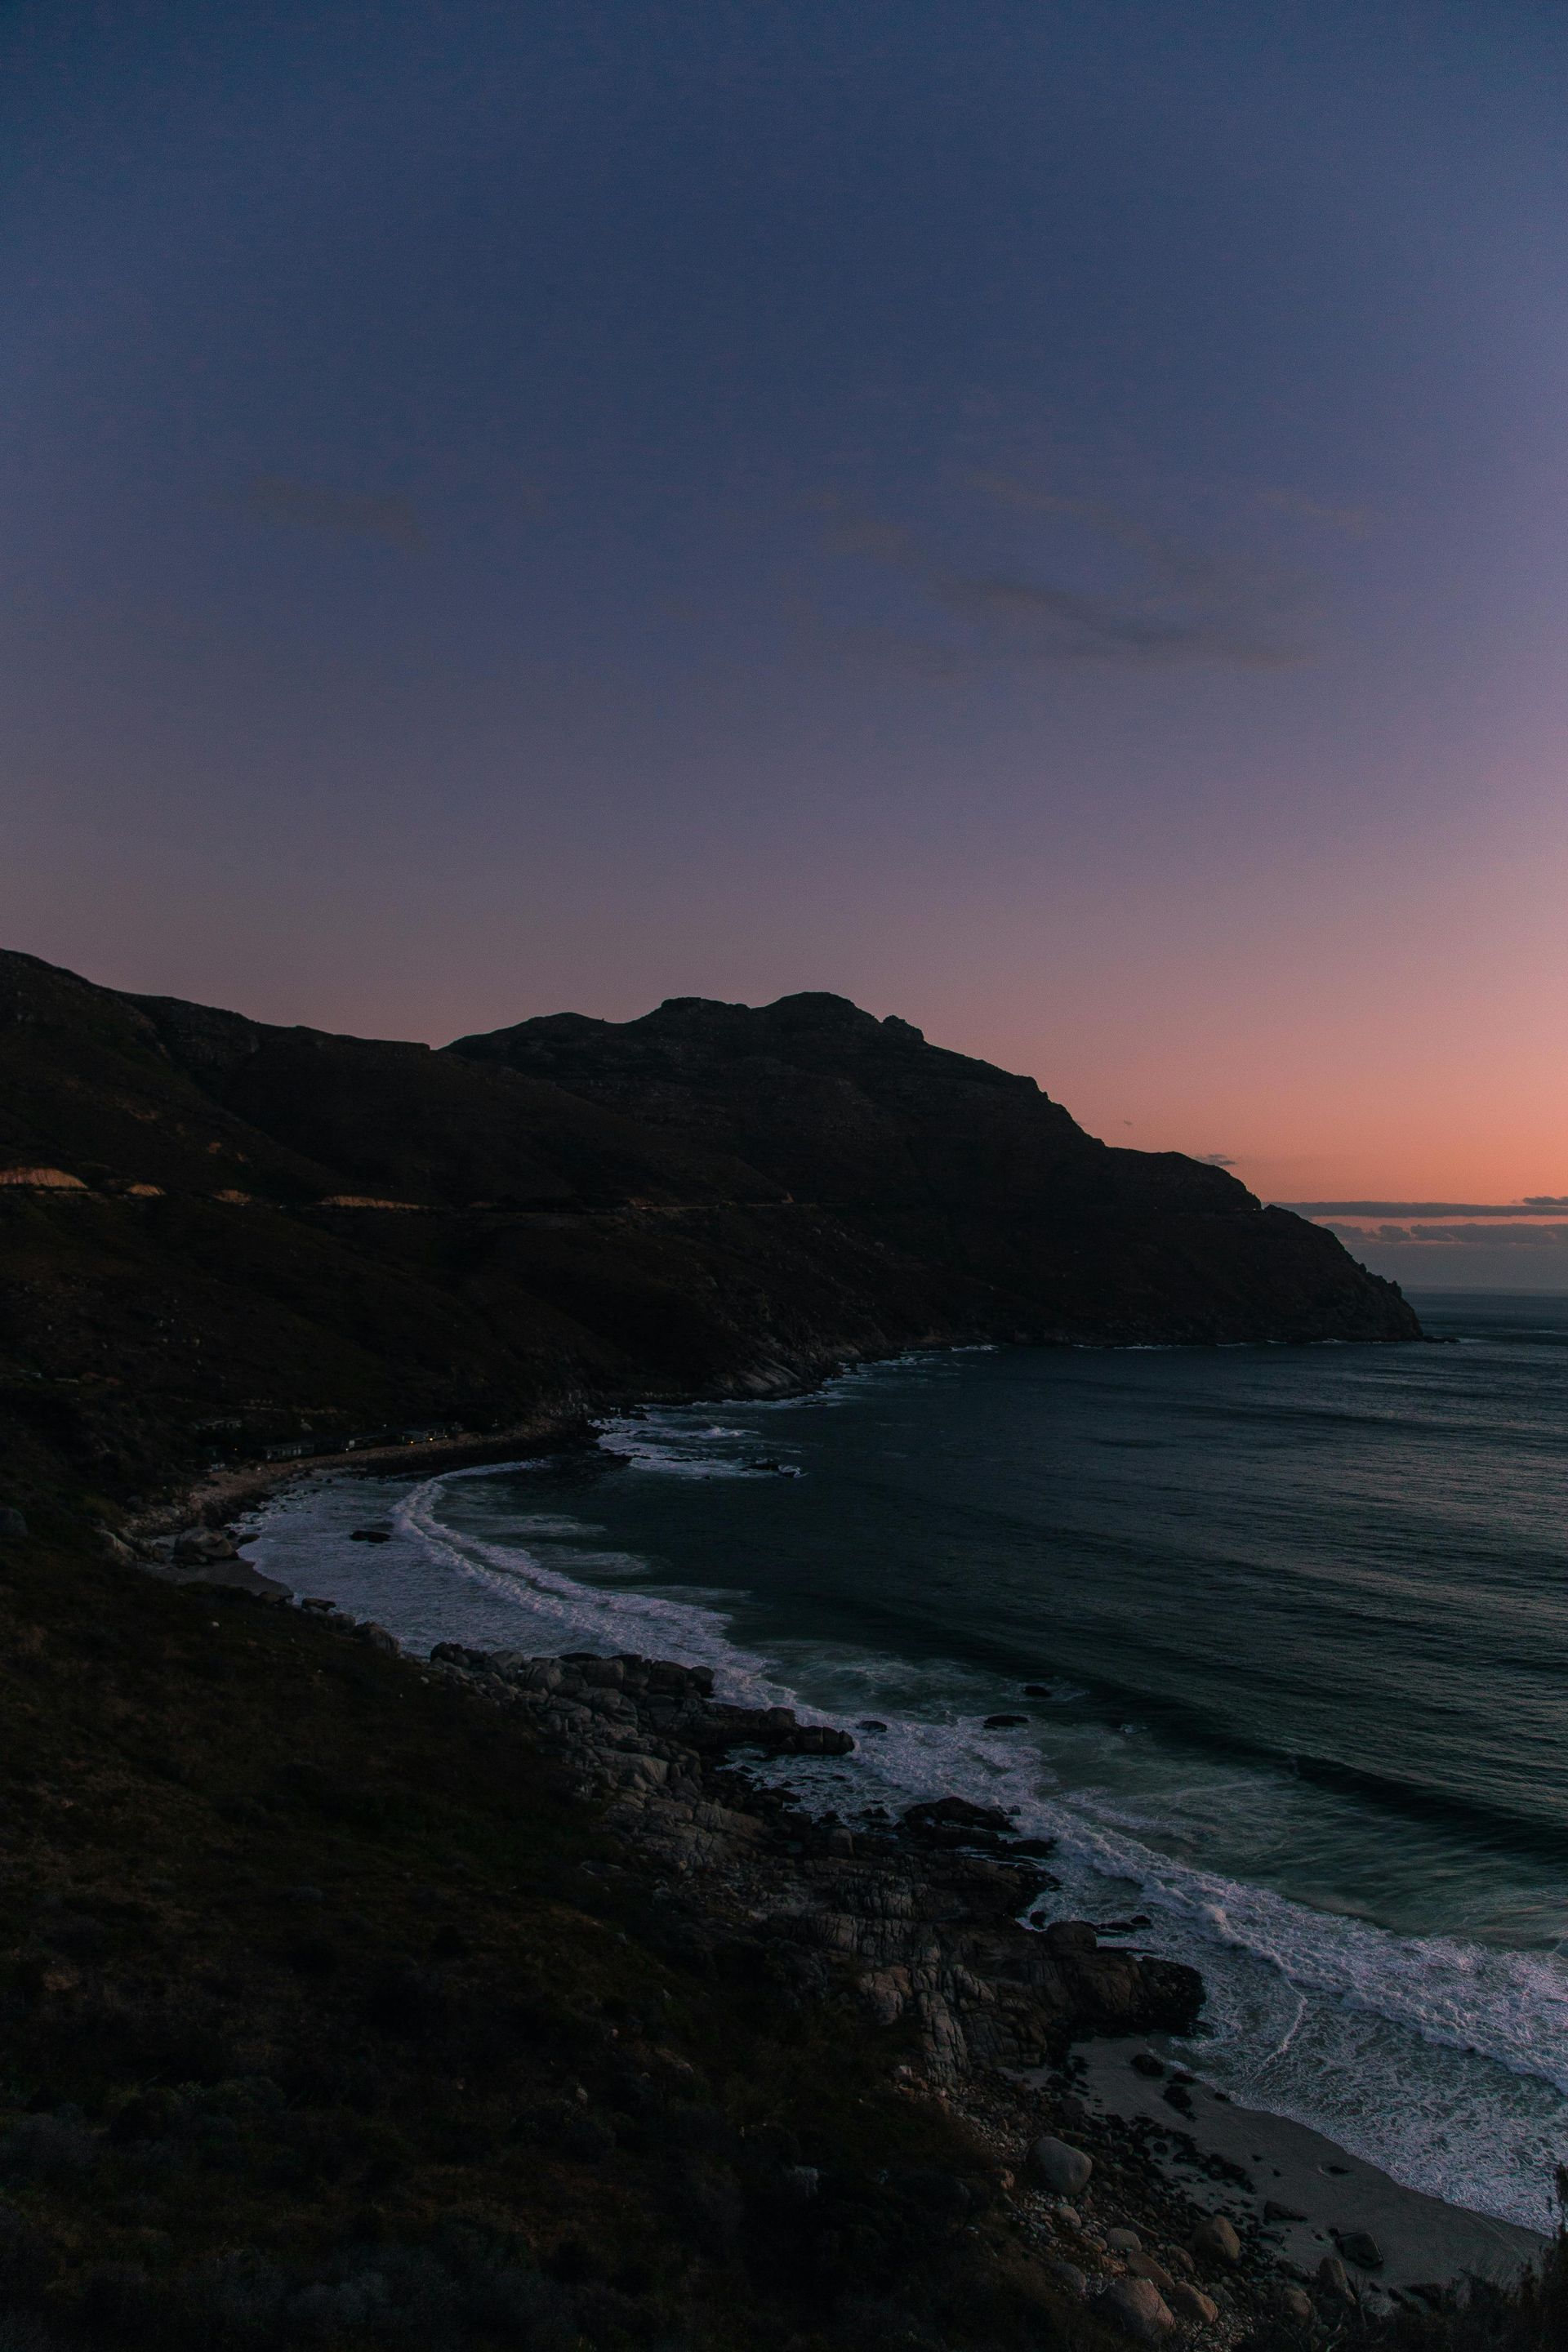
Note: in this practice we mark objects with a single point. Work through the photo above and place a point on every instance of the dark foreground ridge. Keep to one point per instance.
(354, 2000)
(220, 1238)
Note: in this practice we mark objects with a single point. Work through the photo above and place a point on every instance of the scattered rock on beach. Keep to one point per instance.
(1124, 2242)
(1137, 2308)
(1144, 2061)
(1064, 2170)
(1359, 2246)
(1334, 2279)
(199, 1547)
(1197, 2309)
(1295, 2303)
(1003, 1722)
(1215, 2241)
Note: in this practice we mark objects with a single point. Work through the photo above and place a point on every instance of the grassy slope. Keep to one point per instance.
(310, 1977)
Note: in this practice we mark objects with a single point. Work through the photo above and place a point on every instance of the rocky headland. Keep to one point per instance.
(352, 1998)
(226, 1241)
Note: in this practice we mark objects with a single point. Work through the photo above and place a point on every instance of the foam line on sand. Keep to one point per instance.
(1423, 2240)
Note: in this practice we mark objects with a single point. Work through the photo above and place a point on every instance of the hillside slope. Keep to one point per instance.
(217, 1235)
(964, 1167)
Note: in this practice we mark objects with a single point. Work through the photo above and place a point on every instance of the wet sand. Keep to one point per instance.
(1423, 2240)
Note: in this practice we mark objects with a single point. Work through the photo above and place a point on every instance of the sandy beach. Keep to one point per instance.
(1294, 2191)
(1423, 2240)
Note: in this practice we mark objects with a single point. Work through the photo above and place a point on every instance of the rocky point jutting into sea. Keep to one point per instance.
(355, 1997)
(219, 1236)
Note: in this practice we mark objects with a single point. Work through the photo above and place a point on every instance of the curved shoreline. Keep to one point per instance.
(231, 1492)
(1426, 2240)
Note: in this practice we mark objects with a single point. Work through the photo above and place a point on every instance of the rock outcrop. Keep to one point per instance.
(920, 1919)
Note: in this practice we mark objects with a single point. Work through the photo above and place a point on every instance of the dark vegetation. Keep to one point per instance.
(707, 1199)
(327, 2017)
(326, 2020)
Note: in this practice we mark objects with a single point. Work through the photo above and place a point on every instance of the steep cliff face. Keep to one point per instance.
(217, 1224)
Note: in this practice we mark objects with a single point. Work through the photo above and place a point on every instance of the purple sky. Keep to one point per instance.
(1047, 520)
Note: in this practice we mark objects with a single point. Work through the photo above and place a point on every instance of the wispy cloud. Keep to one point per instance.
(1535, 1204)
(1180, 605)
(1355, 522)
(1424, 1236)
(1215, 1160)
(339, 514)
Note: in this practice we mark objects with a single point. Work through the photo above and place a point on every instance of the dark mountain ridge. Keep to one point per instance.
(211, 1222)
(839, 1107)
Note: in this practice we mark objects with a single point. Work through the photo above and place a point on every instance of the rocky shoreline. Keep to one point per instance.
(939, 1923)
(936, 1930)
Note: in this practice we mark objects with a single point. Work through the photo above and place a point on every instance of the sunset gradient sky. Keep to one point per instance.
(1049, 520)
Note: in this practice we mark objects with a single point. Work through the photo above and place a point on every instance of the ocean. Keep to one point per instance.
(1296, 1622)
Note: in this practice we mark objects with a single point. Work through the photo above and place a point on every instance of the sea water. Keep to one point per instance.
(1298, 1621)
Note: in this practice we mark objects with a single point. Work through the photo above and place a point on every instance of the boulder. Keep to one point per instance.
(1070, 1935)
(1062, 2169)
(378, 1638)
(1334, 2279)
(199, 1547)
(1070, 2275)
(1359, 2246)
(602, 1673)
(1144, 2266)
(1139, 2309)
(1296, 2304)
(1124, 2242)
(817, 1739)
(1214, 2241)
(1193, 2306)
(952, 1820)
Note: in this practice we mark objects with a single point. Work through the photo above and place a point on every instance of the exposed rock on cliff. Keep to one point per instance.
(921, 1929)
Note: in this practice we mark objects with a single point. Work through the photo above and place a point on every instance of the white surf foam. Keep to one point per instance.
(1445, 2062)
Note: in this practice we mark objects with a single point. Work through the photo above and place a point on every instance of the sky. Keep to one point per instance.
(1047, 520)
